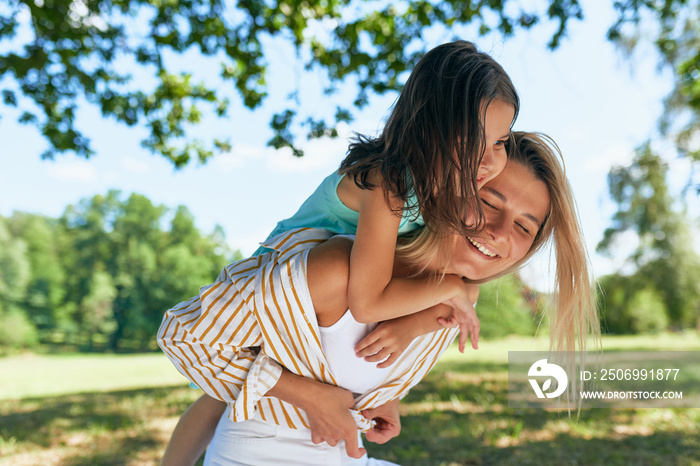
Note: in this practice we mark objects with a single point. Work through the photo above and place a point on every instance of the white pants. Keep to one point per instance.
(259, 443)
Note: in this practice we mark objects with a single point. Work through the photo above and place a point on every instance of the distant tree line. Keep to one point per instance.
(100, 276)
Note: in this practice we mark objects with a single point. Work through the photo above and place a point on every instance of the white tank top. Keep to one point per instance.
(350, 372)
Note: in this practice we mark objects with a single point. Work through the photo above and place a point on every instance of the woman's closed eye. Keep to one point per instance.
(488, 204)
(523, 228)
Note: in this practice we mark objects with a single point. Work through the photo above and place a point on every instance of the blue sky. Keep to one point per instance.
(597, 105)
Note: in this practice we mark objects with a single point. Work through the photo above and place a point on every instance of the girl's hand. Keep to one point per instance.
(386, 342)
(388, 422)
(468, 324)
(464, 316)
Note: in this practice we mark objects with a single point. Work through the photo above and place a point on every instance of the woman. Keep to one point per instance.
(278, 302)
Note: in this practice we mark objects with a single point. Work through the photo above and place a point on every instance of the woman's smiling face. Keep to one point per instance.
(515, 205)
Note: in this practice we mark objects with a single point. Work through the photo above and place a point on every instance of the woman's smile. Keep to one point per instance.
(487, 251)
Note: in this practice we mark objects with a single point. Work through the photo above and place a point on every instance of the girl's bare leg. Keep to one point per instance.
(193, 432)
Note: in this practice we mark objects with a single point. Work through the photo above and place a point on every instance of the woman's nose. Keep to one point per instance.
(497, 229)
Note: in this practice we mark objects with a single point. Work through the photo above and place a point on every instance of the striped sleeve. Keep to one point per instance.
(213, 339)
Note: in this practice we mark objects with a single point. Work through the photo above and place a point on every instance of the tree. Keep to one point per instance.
(664, 260)
(675, 32)
(507, 306)
(45, 289)
(631, 304)
(136, 241)
(16, 330)
(116, 55)
(124, 269)
(97, 309)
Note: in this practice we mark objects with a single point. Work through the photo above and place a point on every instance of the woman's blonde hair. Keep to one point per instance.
(574, 318)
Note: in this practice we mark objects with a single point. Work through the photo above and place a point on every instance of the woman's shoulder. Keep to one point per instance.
(335, 252)
(327, 273)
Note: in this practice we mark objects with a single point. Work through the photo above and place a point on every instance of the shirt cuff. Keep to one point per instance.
(262, 376)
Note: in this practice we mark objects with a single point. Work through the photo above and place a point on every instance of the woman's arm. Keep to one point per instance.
(387, 422)
(327, 408)
(212, 340)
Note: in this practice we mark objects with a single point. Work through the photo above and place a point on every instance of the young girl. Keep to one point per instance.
(445, 138)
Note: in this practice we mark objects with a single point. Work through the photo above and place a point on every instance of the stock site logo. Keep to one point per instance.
(542, 368)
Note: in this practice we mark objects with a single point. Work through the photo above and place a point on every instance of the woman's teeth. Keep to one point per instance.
(481, 248)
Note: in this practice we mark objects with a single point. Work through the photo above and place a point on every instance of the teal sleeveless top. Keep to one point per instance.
(324, 209)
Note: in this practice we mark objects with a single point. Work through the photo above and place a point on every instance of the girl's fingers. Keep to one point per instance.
(390, 360)
(364, 347)
(378, 356)
(370, 350)
(447, 323)
(463, 333)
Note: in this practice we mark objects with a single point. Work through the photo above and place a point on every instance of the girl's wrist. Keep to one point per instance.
(456, 286)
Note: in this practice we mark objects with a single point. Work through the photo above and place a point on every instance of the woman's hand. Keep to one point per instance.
(330, 419)
(386, 342)
(387, 422)
(327, 408)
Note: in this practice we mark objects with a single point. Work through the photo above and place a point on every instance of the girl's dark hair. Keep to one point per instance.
(439, 112)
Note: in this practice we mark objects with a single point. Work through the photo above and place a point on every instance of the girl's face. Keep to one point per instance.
(515, 205)
(497, 120)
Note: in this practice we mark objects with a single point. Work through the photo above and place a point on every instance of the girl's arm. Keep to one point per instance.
(389, 340)
(373, 295)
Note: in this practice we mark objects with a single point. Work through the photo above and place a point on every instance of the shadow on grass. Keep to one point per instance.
(506, 438)
(109, 427)
(453, 419)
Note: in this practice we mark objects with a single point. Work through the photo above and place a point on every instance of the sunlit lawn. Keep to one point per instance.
(457, 416)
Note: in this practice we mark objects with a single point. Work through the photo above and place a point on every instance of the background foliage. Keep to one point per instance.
(101, 276)
(117, 55)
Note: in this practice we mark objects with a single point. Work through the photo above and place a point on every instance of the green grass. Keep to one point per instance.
(457, 416)
(42, 375)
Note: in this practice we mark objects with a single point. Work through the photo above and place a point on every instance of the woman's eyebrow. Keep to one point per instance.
(498, 194)
(533, 218)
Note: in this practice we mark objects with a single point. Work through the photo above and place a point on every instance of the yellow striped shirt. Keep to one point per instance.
(234, 337)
